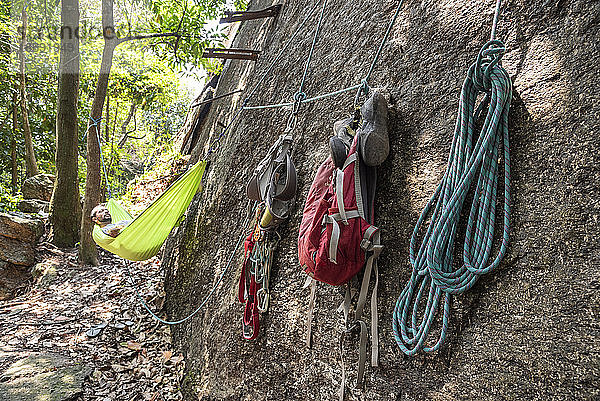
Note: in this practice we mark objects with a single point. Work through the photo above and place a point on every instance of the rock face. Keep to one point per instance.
(33, 206)
(19, 228)
(194, 124)
(18, 238)
(528, 330)
(43, 377)
(38, 187)
(12, 277)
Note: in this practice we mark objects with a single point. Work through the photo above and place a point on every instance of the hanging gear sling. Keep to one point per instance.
(274, 185)
(473, 168)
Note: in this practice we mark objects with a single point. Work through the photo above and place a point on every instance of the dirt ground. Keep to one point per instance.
(64, 310)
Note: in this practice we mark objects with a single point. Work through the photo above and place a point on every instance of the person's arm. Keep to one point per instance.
(112, 230)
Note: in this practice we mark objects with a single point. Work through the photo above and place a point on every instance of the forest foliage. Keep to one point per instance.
(149, 89)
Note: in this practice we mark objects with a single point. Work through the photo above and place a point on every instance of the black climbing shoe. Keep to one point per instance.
(373, 133)
(339, 144)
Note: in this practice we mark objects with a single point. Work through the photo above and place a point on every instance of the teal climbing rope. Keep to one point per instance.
(473, 168)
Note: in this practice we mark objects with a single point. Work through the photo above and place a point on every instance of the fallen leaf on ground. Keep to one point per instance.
(167, 355)
(133, 345)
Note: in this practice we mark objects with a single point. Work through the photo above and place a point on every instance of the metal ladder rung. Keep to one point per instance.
(238, 54)
(234, 16)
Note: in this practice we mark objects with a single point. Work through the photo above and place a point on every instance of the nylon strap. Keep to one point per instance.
(343, 381)
(358, 190)
(375, 320)
(362, 356)
(339, 194)
(349, 159)
(311, 307)
(362, 298)
(345, 305)
(335, 232)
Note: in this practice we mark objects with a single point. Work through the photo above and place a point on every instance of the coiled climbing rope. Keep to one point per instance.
(473, 168)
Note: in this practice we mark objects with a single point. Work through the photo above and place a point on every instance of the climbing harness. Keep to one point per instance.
(273, 185)
(472, 173)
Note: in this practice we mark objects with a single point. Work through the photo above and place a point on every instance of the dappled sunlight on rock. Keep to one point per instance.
(539, 82)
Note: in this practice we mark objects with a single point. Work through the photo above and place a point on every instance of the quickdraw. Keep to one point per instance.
(256, 273)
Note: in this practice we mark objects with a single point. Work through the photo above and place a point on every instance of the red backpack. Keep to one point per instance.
(337, 238)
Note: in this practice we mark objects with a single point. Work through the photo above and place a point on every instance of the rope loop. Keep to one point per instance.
(362, 90)
(94, 122)
(299, 97)
(488, 58)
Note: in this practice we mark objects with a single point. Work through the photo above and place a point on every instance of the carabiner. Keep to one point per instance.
(262, 300)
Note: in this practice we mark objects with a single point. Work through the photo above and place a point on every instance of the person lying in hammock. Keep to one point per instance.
(101, 216)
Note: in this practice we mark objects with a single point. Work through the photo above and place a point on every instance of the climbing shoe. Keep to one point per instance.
(340, 142)
(373, 132)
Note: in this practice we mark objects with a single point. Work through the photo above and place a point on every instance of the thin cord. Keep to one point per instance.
(312, 99)
(496, 17)
(94, 124)
(312, 47)
(216, 98)
(383, 42)
(206, 299)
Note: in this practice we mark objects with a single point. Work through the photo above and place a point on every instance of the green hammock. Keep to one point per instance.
(143, 238)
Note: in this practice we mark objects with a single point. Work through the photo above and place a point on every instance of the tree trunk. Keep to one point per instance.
(14, 182)
(88, 252)
(528, 330)
(30, 161)
(65, 206)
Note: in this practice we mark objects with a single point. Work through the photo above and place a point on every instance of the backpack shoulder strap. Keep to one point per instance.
(311, 306)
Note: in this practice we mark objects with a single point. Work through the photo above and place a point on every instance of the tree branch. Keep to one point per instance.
(149, 36)
(176, 46)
